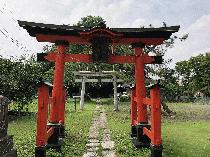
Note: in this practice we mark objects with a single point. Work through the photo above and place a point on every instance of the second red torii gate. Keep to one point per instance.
(100, 38)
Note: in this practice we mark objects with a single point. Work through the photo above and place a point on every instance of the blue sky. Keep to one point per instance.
(192, 16)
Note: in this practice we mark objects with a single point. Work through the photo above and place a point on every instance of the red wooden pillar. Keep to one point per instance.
(133, 113)
(140, 84)
(156, 141)
(133, 107)
(62, 108)
(54, 140)
(141, 140)
(41, 138)
(61, 115)
(57, 93)
(43, 96)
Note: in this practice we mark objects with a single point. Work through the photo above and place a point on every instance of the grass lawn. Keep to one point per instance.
(77, 128)
(185, 135)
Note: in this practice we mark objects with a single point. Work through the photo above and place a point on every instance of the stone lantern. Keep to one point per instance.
(6, 141)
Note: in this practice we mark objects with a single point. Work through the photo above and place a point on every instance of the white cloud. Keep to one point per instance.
(197, 42)
(193, 16)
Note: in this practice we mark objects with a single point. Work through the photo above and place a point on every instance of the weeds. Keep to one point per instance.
(77, 127)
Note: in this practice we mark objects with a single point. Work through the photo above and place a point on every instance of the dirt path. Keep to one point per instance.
(99, 143)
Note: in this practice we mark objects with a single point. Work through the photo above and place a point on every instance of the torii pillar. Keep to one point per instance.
(82, 97)
(140, 92)
(58, 103)
(115, 93)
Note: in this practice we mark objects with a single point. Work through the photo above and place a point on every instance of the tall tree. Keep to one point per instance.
(18, 78)
(194, 74)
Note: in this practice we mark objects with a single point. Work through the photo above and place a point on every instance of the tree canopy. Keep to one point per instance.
(194, 73)
(18, 76)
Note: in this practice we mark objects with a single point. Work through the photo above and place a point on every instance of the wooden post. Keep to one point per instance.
(156, 141)
(133, 113)
(155, 116)
(142, 118)
(57, 93)
(133, 107)
(82, 97)
(43, 97)
(62, 107)
(140, 85)
(115, 93)
(75, 104)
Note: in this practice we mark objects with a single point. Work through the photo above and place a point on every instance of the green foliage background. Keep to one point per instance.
(18, 76)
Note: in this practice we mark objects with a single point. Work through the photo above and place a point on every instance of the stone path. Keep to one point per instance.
(99, 143)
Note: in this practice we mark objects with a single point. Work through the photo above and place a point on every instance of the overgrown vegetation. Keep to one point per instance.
(185, 135)
(77, 128)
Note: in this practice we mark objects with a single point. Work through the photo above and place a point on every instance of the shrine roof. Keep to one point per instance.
(75, 31)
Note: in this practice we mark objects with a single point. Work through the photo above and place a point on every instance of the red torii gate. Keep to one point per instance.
(100, 38)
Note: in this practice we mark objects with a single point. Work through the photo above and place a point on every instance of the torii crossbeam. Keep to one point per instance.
(86, 78)
(101, 38)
